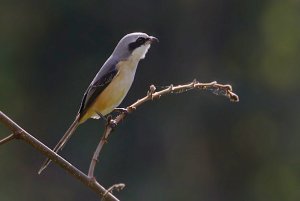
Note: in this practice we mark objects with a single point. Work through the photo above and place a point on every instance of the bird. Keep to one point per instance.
(110, 85)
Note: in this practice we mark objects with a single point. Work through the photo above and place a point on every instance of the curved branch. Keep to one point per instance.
(89, 180)
(20, 133)
(217, 89)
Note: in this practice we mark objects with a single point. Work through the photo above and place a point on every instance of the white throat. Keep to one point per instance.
(140, 52)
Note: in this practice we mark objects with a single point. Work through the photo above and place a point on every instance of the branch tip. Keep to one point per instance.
(233, 97)
(117, 187)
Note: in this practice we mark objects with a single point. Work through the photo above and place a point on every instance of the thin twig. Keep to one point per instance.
(96, 154)
(68, 167)
(117, 187)
(217, 89)
(7, 139)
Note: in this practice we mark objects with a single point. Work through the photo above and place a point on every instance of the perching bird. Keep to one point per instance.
(111, 84)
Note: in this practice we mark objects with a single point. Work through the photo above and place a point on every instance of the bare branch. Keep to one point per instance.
(96, 154)
(89, 180)
(217, 89)
(7, 139)
(68, 167)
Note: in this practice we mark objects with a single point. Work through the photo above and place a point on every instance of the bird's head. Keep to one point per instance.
(134, 45)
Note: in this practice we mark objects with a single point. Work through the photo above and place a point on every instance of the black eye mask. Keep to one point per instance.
(139, 42)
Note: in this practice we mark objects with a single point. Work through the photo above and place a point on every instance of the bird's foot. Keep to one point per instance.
(121, 110)
(102, 116)
(111, 122)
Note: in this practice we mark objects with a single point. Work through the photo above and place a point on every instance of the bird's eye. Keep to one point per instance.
(140, 40)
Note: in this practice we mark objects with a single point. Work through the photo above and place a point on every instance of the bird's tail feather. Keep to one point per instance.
(62, 142)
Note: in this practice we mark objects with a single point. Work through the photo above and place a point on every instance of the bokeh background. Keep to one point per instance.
(192, 146)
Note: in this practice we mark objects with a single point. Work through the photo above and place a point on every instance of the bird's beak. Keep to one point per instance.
(153, 39)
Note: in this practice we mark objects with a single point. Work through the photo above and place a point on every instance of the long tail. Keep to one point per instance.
(62, 142)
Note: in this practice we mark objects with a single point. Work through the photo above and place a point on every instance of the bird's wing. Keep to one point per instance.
(100, 82)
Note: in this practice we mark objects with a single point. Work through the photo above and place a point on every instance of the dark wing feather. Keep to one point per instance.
(100, 82)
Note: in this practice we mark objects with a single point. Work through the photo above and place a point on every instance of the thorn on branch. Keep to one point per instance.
(195, 82)
(171, 88)
(131, 109)
(151, 91)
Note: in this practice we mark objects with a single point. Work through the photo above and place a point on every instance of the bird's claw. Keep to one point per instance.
(112, 123)
(121, 110)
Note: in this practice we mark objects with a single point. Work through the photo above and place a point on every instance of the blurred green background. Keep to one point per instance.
(192, 146)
